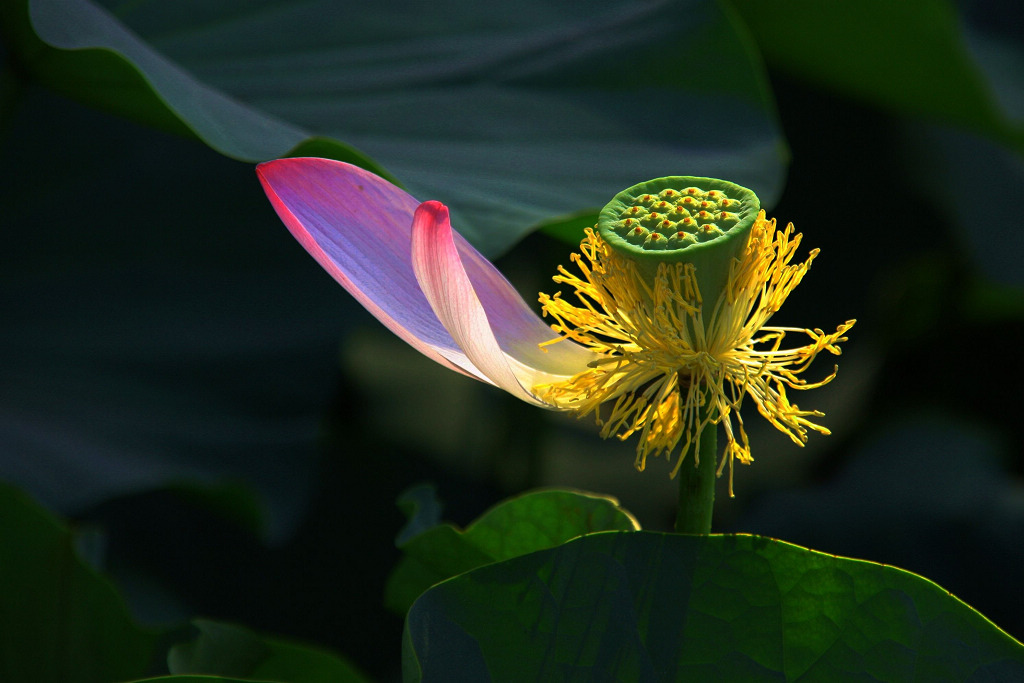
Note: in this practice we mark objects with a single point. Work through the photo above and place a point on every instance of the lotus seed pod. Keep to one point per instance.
(681, 219)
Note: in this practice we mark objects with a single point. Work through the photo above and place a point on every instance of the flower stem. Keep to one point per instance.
(697, 486)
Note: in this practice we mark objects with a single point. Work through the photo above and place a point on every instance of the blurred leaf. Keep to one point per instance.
(510, 115)
(645, 606)
(992, 33)
(514, 527)
(79, 50)
(951, 167)
(197, 679)
(227, 650)
(60, 620)
(954, 65)
(422, 508)
(569, 229)
(233, 500)
(986, 303)
(909, 56)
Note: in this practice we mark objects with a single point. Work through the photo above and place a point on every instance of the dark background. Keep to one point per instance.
(184, 383)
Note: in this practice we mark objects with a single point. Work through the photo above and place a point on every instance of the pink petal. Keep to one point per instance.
(357, 226)
(484, 314)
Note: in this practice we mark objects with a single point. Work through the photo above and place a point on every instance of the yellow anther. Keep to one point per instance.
(662, 353)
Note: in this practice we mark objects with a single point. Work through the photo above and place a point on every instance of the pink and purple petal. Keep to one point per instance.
(483, 312)
(356, 225)
(444, 281)
(432, 289)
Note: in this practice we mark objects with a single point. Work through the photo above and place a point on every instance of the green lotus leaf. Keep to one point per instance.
(523, 114)
(229, 650)
(643, 606)
(517, 526)
(60, 620)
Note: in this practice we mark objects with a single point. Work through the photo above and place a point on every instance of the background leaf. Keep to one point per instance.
(517, 526)
(862, 51)
(197, 679)
(229, 650)
(512, 116)
(974, 145)
(644, 606)
(80, 50)
(975, 166)
(60, 620)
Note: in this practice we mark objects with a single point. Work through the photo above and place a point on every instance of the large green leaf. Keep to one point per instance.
(60, 620)
(512, 116)
(227, 650)
(517, 526)
(642, 606)
(78, 49)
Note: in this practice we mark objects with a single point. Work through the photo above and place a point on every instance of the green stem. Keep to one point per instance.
(697, 486)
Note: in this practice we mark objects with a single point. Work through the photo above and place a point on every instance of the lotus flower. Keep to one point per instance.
(640, 348)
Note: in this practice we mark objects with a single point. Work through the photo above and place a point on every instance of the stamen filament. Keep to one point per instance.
(668, 367)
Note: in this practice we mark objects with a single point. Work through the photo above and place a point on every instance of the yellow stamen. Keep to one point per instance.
(663, 355)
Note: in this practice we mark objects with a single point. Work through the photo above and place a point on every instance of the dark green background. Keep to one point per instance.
(181, 379)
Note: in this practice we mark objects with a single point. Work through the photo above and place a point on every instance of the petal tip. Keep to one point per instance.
(432, 211)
